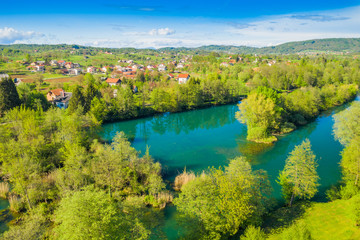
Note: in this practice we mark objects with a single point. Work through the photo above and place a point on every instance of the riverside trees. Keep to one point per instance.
(222, 201)
(53, 159)
(299, 178)
(267, 112)
(347, 131)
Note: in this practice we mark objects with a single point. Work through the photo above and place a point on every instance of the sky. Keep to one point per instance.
(185, 23)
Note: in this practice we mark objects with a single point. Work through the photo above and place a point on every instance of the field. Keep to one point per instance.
(328, 221)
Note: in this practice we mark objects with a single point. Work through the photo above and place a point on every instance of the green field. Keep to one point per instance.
(327, 221)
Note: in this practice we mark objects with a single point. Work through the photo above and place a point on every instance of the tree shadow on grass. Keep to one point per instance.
(285, 216)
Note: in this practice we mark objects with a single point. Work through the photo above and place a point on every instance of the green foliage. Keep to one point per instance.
(356, 209)
(260, 115)
(299, 178)
(90, 214)
(350, 162)
(33, 226)
(77, 100)
(98, 108)
(347, 126)
(9, 97)
(298, 231)
(223, 201)
(253, 233)
(118, 169)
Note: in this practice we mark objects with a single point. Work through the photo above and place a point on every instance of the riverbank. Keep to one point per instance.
(268, 113)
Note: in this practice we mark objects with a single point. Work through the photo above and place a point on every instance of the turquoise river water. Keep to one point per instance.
(211, 137)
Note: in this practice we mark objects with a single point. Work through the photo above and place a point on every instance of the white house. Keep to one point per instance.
(74, 71)
(91, 69)
(162, 67)
(183, 78)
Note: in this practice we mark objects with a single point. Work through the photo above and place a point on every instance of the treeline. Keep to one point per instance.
(124, 102)
(267, 112)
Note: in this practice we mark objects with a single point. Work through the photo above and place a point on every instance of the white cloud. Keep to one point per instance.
(162, 31)
(11, 35)
(279, 29)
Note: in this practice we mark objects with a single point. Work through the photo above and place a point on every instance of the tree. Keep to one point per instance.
(223, 201)
(350, 162)
(98, 108)
(90, 93)
(261, 116)
(299, 178)
(9, 97)
(77, 99)
(347, 124)
(38, 80)
(90, 214)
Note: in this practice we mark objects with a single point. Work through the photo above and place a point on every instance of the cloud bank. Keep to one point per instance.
(11, 35)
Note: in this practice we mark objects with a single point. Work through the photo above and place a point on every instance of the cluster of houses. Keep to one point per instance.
(69, 68)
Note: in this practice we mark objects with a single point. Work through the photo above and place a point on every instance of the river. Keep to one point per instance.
(211, 137)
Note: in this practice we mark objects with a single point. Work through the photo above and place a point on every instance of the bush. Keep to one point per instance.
(253, 233)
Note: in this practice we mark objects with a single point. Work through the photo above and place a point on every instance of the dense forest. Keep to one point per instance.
(63, 181)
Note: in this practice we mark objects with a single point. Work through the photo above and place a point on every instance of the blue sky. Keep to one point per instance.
(187, 23)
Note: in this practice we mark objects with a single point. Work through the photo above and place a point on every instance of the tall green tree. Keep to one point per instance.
(261, 116)
(90, 93)
(9, 97)
(347, 124)
(77, 100)
(299, 178)
(223, 201)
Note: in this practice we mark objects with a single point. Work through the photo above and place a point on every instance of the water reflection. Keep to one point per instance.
(186, 122)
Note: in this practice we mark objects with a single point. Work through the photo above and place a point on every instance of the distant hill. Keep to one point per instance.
(318, 45)
(351, 45)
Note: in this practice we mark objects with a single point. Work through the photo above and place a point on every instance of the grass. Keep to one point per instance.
(183, 179)
(4, 189)
(15, 203)
(326, 221)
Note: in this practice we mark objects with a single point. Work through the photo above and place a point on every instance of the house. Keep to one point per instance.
(106, 69)
(76, 65)
(183, 78)
(3, 76)
(54, 63)
(113, 81)
(55, 94)
(36, 68)
(59, 97)
(162, 67)
(91, 69)
(64, 71)
(180, 65)
(232, 61)
(171, 75)
(17, 81)
(74, 71)
(61, 63)
(69, 65)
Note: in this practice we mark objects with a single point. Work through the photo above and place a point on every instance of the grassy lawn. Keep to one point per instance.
(52, 75)
(328, 221)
